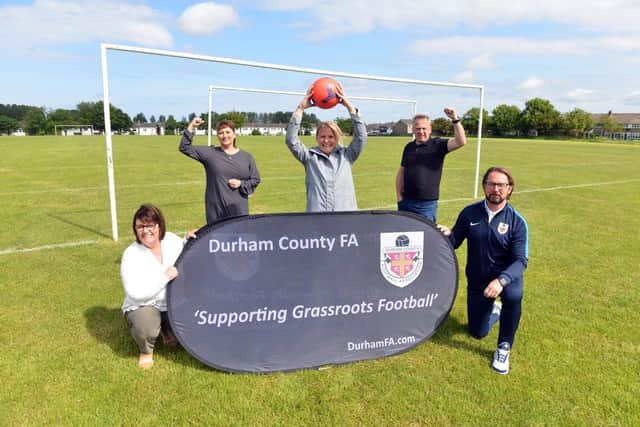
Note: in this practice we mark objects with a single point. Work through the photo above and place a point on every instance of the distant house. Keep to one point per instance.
(84, 131)
(380, 129)
(403, 127)
(270, 129)
(148, 129)
(630, 126)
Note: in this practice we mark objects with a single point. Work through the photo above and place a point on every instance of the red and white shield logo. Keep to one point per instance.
(401, 257)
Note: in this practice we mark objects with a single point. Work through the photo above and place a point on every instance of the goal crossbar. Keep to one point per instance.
(105, 47)
(213, 88)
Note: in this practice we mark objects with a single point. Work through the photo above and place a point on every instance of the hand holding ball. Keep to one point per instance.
(325, 93)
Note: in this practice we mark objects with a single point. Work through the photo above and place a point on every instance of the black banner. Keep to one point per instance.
(282, 292)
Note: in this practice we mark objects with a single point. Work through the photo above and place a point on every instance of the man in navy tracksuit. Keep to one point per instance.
(497, 253)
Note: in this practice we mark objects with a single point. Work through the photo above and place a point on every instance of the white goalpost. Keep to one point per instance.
(105, 47)
(213, 88)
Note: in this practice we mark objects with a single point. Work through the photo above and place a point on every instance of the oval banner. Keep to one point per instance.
(264, 293)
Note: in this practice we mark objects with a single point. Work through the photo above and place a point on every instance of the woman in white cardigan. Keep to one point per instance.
(147, 267)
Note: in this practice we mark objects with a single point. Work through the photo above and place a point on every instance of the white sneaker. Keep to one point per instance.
(501, 358)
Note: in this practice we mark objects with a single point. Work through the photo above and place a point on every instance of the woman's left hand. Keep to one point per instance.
(171, 273)
(234, 183)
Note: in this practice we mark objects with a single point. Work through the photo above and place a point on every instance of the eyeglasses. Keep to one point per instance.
(500, 185)
(143, 226)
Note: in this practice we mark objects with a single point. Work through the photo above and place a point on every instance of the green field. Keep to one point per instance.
(69, 359)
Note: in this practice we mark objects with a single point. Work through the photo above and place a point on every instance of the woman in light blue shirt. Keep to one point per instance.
(328, 177)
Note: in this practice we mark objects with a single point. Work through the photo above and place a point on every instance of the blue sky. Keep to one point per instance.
(577, 54)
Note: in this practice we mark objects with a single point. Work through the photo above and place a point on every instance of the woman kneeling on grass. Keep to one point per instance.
(147, 267)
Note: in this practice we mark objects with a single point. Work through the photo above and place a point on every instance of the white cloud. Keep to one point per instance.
(49, 22)
(523, 46)
(288, 5)
(481, 62)
(532, 83)
(354, 16)
(579, 94)
(464, 77)
(633, 98)
(207, 18)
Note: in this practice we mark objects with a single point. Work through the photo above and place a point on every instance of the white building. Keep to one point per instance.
(84, 131)
(148, 129)
(277, 129)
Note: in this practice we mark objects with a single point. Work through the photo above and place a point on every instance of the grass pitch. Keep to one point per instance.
(69, 359)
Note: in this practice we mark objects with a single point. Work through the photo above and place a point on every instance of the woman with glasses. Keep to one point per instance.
(146, 269)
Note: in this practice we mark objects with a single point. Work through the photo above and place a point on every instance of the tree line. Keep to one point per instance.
(539, 117)
(40, 121)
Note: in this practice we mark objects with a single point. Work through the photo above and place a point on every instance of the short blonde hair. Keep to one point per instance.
(333, 127)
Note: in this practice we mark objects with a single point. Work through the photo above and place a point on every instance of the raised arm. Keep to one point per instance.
(186, 146)
(359, 130)
(459, 138)
(294, 144)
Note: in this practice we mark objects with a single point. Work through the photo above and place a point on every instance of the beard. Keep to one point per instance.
(495, 199)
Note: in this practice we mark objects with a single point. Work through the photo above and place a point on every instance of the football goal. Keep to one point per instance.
(106, 47)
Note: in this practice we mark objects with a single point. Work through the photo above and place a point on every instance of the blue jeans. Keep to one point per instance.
(426, 208)
(481, 320)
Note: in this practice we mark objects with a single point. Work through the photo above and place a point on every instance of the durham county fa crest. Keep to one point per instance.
(401, 257)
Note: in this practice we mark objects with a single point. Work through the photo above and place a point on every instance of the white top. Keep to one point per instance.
(143, 275)
(490, 213)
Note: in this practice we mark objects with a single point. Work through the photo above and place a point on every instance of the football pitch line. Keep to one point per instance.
(167, 184)
(10, 251)
(568, 187)
(535, 190)
(52, 246)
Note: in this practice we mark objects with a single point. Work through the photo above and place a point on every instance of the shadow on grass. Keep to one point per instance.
(448, 335)
(80, 226)
(109, 326)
